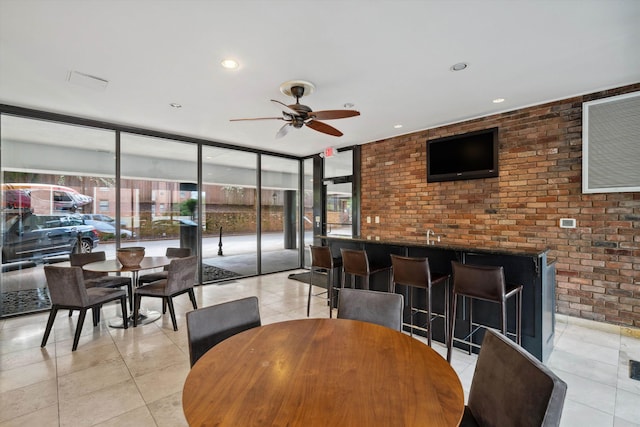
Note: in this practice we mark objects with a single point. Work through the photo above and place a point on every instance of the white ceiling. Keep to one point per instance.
(391, 59)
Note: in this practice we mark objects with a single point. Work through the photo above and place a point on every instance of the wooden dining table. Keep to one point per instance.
(114, 266)
(322, 372)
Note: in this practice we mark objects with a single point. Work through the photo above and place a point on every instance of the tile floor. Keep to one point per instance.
(134, 377)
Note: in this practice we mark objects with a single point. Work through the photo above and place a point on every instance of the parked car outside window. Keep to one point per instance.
(27, 236)
(170, 227)
(17, 199)
(104, 218)
(106, 230)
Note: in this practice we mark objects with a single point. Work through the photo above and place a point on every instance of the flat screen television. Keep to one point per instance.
(471, 155)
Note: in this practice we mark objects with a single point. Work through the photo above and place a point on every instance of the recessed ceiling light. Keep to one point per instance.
(230, 64)
(498, 100)
(459, 66)
(175, 105)
(398, 126)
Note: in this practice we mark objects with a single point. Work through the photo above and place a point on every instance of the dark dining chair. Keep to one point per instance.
(93, 279)
(381, 308)
(209, 326)
(159, 275)
(510, 387)
(181, 278)
(68, 291)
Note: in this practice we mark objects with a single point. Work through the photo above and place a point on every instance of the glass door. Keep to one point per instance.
(339, 217)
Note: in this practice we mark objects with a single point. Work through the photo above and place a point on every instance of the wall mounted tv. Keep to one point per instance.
(471, 155)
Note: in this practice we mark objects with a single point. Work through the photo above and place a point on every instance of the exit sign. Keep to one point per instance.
(328, 152)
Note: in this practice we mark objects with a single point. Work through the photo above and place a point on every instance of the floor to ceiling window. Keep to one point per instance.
(58, 188)
(85, 186)
(280, 218)
(158, 193)
(229, 194)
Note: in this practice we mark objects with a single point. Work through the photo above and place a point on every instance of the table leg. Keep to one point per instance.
(144, 315)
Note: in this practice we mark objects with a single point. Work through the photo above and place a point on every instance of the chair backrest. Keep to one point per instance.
(355, 261)
(181, 274)
(209, 326)
(381, 308)
(178, 252)
(321, 257)
(413, 272)
(510, 387)
(479, 281)
(66, 286)
(78, 260)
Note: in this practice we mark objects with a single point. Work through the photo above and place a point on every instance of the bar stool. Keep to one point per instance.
(415, 273)
(356, 263)
(485, 283)
(322, 259)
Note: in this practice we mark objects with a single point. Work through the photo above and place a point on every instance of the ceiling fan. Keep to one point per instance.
(298, 115)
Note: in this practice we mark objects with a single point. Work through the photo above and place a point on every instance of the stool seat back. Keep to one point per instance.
(479, 281)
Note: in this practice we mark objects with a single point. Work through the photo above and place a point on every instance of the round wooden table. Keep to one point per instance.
(114, 266)
(322, 372)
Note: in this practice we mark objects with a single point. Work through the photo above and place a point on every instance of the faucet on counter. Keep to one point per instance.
(431, 233)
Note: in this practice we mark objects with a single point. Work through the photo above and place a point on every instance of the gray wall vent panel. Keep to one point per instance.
(611, 144)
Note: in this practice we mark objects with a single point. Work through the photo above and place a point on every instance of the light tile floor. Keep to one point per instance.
(134, 377)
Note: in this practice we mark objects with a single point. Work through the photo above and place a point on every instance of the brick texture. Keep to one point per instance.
(598, 263)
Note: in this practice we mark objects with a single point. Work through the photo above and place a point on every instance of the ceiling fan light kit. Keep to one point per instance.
(298, 115)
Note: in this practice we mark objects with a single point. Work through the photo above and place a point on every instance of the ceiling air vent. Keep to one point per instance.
(611, 144)
(87, 81)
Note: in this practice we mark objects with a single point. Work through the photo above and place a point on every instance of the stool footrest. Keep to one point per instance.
(478, 326)
(415, 311)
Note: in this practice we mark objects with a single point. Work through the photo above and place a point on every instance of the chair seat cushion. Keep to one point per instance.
(102, 295)
(157, 289)
(437, 278)
(152, 277)
(379, 268)
(107, 282)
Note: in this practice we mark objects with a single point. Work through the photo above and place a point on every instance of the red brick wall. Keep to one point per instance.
(598, 263)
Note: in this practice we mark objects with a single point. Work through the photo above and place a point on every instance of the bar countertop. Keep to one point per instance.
(532, 252)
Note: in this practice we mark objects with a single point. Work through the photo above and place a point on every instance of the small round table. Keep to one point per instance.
(114, 266)
(322, 372)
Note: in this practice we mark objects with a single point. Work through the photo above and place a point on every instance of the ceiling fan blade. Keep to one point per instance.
(323, 127)
(286, 108)
(333, 114)
(283, 130)
(257, 118)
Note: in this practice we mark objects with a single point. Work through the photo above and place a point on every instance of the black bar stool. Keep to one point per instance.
(321, 259)
(356, 263)
(485, 283)
(415, 273)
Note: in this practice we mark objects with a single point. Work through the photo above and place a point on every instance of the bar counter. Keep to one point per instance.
(531, 268)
